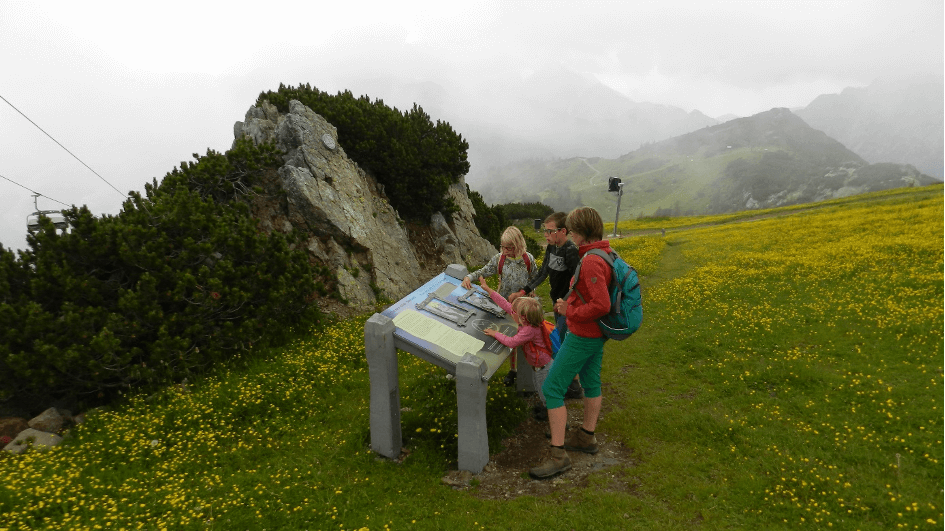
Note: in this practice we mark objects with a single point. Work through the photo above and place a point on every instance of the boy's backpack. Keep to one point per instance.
(626, 309)
(552, 336)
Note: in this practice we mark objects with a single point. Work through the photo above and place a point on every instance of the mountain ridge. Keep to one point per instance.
(557, 114)
(891, 120)
(770, 159)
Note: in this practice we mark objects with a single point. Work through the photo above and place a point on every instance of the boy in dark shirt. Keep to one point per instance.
(561, 259)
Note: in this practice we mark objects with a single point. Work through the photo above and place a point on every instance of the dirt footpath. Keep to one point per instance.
(506, 475)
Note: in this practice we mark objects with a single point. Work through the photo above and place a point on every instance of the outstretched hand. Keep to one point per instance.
(489, 332)
(466, 283)
(561, 306)
(482, 282)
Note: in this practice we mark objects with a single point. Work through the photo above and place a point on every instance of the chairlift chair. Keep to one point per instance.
(56, 216)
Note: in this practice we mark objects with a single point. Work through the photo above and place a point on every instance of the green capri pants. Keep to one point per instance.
(578, 355)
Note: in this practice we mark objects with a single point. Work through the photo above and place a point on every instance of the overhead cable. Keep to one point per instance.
(35, 192)
(62, 146)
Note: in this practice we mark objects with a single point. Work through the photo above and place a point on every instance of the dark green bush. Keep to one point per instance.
(415, 159)
(490, 221)
(180, 279)
(533, 247)
(529, 211)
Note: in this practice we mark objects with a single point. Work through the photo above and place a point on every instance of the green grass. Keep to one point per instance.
(658, 188)
(788, 375)
(649, 224)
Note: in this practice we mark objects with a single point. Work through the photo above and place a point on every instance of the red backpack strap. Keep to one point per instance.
(501, 263)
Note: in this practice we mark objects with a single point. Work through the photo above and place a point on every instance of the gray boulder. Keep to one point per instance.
(51, 421)
(32, 437)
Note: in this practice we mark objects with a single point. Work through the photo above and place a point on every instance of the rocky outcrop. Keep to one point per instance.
(348, 222)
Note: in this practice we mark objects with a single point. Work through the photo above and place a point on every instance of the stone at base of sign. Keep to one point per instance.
(458, 479)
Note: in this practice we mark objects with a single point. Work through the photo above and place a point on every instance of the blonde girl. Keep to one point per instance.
(516, 268)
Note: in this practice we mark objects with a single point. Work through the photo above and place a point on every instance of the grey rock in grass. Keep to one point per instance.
(32, 437)
(52, 420)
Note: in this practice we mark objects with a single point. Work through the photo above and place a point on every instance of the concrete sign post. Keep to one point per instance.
(385, 390)
(442, 323)
(471, 387)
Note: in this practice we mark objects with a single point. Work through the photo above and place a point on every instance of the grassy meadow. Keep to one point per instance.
(788, 375)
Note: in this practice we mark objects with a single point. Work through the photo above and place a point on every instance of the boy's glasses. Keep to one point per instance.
(549, 231)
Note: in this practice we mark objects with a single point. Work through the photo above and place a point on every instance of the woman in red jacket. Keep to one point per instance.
(582, 351)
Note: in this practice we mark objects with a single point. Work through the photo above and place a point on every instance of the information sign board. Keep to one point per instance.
(442, 321)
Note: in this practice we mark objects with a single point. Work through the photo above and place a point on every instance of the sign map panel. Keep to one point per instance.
(445, 321)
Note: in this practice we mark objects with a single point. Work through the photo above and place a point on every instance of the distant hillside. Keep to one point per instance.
(559, 112)
(892, 120)
(770, 159)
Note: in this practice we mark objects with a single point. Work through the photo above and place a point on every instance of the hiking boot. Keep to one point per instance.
(574, 390)
(567, 427)
(582, 442)
(540, 413)
(557, 463)
(509, 379)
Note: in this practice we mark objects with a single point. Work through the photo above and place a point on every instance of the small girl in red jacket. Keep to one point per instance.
(527, 313)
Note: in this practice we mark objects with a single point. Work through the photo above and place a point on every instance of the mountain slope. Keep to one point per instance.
(892, 120)
(556, 112)
(769, 159)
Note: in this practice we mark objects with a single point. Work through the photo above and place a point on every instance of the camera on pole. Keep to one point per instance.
(613, 184)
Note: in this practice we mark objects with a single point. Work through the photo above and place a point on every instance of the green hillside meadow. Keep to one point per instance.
(680, 182)
(788, 375)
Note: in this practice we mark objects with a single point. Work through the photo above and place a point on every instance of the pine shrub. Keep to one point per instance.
(490, 221)
(180, 279)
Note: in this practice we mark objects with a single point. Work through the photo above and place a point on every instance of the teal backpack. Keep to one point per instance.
(626, 309)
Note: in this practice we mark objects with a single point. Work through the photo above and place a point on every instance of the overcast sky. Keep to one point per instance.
(133, 89)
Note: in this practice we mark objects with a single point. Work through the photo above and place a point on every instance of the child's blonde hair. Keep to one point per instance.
(530, 310)
(513, 237)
